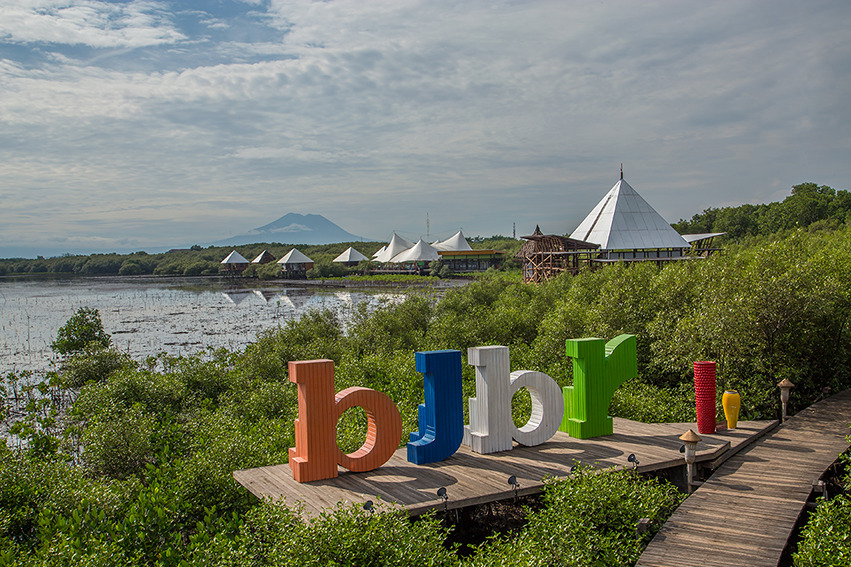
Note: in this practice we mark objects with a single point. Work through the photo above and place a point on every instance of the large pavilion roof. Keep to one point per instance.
(455, 242)
(623, 220)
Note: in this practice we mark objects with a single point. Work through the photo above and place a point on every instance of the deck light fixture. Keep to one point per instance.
(633, 460)
(690, 440)
(785, 386)
(441, 492)
(512, 480)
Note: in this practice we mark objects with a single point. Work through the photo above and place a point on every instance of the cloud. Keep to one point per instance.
(87, 22)
(373, 113)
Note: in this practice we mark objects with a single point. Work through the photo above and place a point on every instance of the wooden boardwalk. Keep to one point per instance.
(746, 512)
(471, 478)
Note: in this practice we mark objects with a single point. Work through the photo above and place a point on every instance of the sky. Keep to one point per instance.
(148, 125)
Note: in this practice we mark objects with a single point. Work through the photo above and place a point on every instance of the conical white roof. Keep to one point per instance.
(622, 220)
(235, 258)
(350, 255)
(419, 252)
(454, 242)
(294, 257)
(379, 251)
(396, 245)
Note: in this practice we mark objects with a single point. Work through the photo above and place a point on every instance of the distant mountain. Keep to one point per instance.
(294, 228)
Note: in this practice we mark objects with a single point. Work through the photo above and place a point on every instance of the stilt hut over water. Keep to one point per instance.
(235, 263)
(294, 265)
(263, 258)
(350, 257)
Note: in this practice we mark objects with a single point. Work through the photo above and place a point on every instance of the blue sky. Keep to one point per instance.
(144, 125)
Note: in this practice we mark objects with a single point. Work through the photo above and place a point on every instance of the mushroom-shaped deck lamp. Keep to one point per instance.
(690, 439)
(785, 386)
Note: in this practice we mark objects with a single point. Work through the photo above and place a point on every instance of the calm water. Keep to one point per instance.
(148, 316)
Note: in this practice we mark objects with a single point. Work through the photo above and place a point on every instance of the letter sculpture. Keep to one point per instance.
(491, 426)
(598, 369)
(316, 454)
(441, 417)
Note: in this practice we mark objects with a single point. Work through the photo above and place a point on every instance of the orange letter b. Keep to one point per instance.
(316, 454)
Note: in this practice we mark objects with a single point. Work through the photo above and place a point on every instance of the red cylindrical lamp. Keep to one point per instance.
(704, 390)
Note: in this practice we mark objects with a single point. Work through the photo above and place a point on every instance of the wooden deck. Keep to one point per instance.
(471, 478)
(746, 512)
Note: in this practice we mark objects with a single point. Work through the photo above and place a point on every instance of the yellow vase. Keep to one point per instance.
(731, 402)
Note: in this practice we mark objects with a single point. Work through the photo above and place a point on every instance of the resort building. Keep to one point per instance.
(294, 265)
(622, 227)
(234, 263)
(628, 229)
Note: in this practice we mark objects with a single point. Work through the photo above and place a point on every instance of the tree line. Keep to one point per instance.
(198, 261)
(809, 206)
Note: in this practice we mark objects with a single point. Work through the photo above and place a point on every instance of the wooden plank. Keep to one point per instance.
(745, 513)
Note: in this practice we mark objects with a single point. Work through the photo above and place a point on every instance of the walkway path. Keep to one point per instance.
(746, 512)
(471, 478)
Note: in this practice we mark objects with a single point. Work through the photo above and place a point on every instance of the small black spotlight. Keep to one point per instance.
(633, 460)
(368, 506)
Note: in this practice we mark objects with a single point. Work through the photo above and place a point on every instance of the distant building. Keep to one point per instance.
(294, 265)
(263, 258)
(350, 257)
(234, 263)
(628, 229)
(545, 256)
(622, 227)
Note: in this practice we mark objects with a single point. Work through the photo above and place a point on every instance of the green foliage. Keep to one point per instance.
(93, 364)
(327, 270)
(826, 537)
(84, 328)
(587, 519)
(807, 205)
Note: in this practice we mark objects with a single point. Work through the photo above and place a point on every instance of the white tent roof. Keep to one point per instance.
(379, 251)
(235, 258)
(396, 245)
(454, 242)
(622, 220)
(419, 252)
(350, 255)
(294, 257)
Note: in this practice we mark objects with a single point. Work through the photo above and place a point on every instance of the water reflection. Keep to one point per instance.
(147, 316)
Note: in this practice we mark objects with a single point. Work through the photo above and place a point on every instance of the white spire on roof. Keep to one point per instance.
(622, 220)
(350, 255)
(294, 257)
(420, 252)
(396, 245)
(235, 258)
(453, 243)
